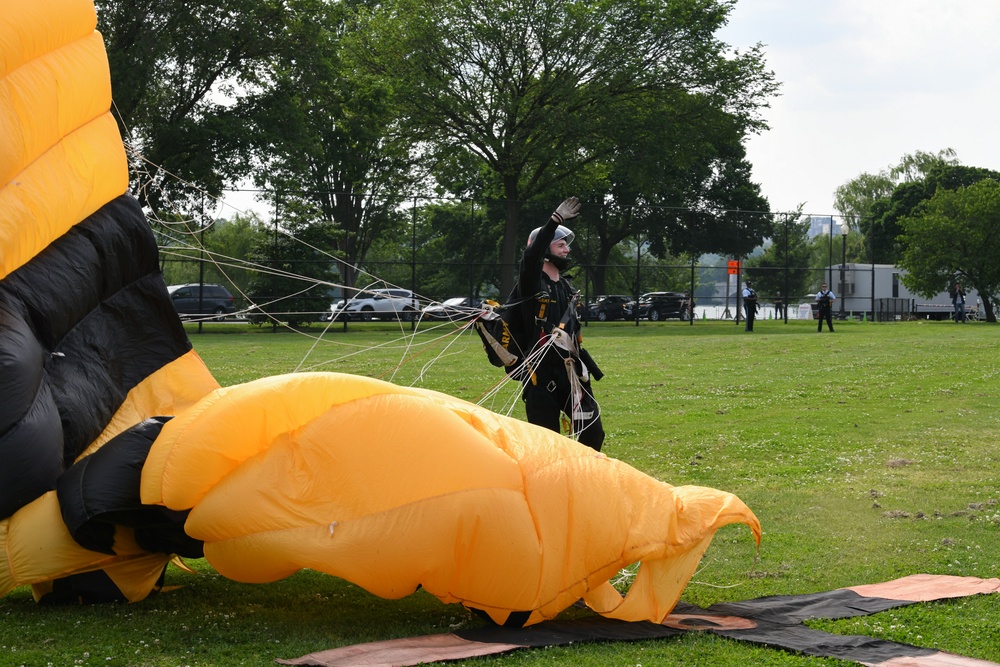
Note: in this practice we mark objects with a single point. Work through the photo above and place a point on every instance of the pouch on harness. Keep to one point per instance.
(496, 328)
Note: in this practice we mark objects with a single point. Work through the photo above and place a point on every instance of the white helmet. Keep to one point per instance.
(561, 233)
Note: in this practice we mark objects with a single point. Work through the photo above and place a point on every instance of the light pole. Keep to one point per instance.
(844, 228)
(829, 264)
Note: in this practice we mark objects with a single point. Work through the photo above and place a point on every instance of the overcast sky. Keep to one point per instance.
(865, 82)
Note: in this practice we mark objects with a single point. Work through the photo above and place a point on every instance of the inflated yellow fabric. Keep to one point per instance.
(61, 156)
(388, 487)
(392, 487)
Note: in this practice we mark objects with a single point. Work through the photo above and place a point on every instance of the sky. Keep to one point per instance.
(865, 82)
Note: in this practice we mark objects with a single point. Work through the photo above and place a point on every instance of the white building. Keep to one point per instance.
(879, 289)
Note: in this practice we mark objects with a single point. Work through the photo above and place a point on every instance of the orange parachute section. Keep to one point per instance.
(393, 488)
(118, 449)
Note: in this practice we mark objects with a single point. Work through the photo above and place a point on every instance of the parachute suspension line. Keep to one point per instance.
(150, 176)
(528, 364)
(441, 353)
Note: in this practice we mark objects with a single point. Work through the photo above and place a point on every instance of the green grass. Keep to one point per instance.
(868, 454)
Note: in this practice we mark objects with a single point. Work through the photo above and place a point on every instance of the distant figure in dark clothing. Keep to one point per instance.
(779, 307)
(749, 305)
(825, 299)
(958, 301)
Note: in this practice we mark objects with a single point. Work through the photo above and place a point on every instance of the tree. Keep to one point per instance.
(217, 253)
(457, 240)
(676, 175)
(955, 235)
(784, 266)
(294, 282)
(906, 199)
(182, 76)
(334, 157)
(522, 85)
(864, 200)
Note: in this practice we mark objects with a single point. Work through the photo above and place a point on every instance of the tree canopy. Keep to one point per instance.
(333, 154)
(865, 201)
(183, 76)
(524, 86)
(955, 235)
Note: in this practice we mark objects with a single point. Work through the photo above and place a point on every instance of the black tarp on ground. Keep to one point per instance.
(770, 621)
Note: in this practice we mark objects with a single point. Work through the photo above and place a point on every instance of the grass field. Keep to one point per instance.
(867, 454)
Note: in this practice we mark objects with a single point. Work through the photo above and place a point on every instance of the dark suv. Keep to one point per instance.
(193, 300)
(609, 307)
(656, 306)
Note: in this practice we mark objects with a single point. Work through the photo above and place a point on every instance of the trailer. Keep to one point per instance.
(877, 292)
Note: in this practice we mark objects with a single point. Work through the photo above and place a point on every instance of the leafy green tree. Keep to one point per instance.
(458, 247)
(866, 201)
(183, 74)
(294, 283)
(676, 176)
(219, 253)
(522, 85)
(886, 213)
(334, 156)
(955, 235)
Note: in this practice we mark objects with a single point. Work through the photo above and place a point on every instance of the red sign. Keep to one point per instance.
(734, 267)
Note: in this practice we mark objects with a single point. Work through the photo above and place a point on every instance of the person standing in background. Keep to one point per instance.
(749, 305)
(958, 302)
(825, 299)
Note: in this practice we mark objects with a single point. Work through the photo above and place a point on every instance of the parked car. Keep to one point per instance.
(657, 306)
(608, 307)
(194, 300)
(381, 304)
(455, 308)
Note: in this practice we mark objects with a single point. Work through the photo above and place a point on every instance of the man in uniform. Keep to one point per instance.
(749, 305)
(825, 299)
(557, 379)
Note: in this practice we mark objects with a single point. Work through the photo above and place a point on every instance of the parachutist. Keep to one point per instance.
(560, 373)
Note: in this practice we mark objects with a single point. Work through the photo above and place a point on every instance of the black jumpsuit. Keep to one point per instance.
(548, 390)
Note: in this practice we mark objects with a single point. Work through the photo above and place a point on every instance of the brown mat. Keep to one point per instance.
(927, 587)
(393, 652)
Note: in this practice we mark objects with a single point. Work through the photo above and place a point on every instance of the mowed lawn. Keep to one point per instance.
(868, 454)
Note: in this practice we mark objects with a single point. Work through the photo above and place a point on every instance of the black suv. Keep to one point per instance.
(193, 300)
(656, 306)
(608, 307)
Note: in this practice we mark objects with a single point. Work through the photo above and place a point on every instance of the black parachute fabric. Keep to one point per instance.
(775, 621)
(81, 324)
(101, 491)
